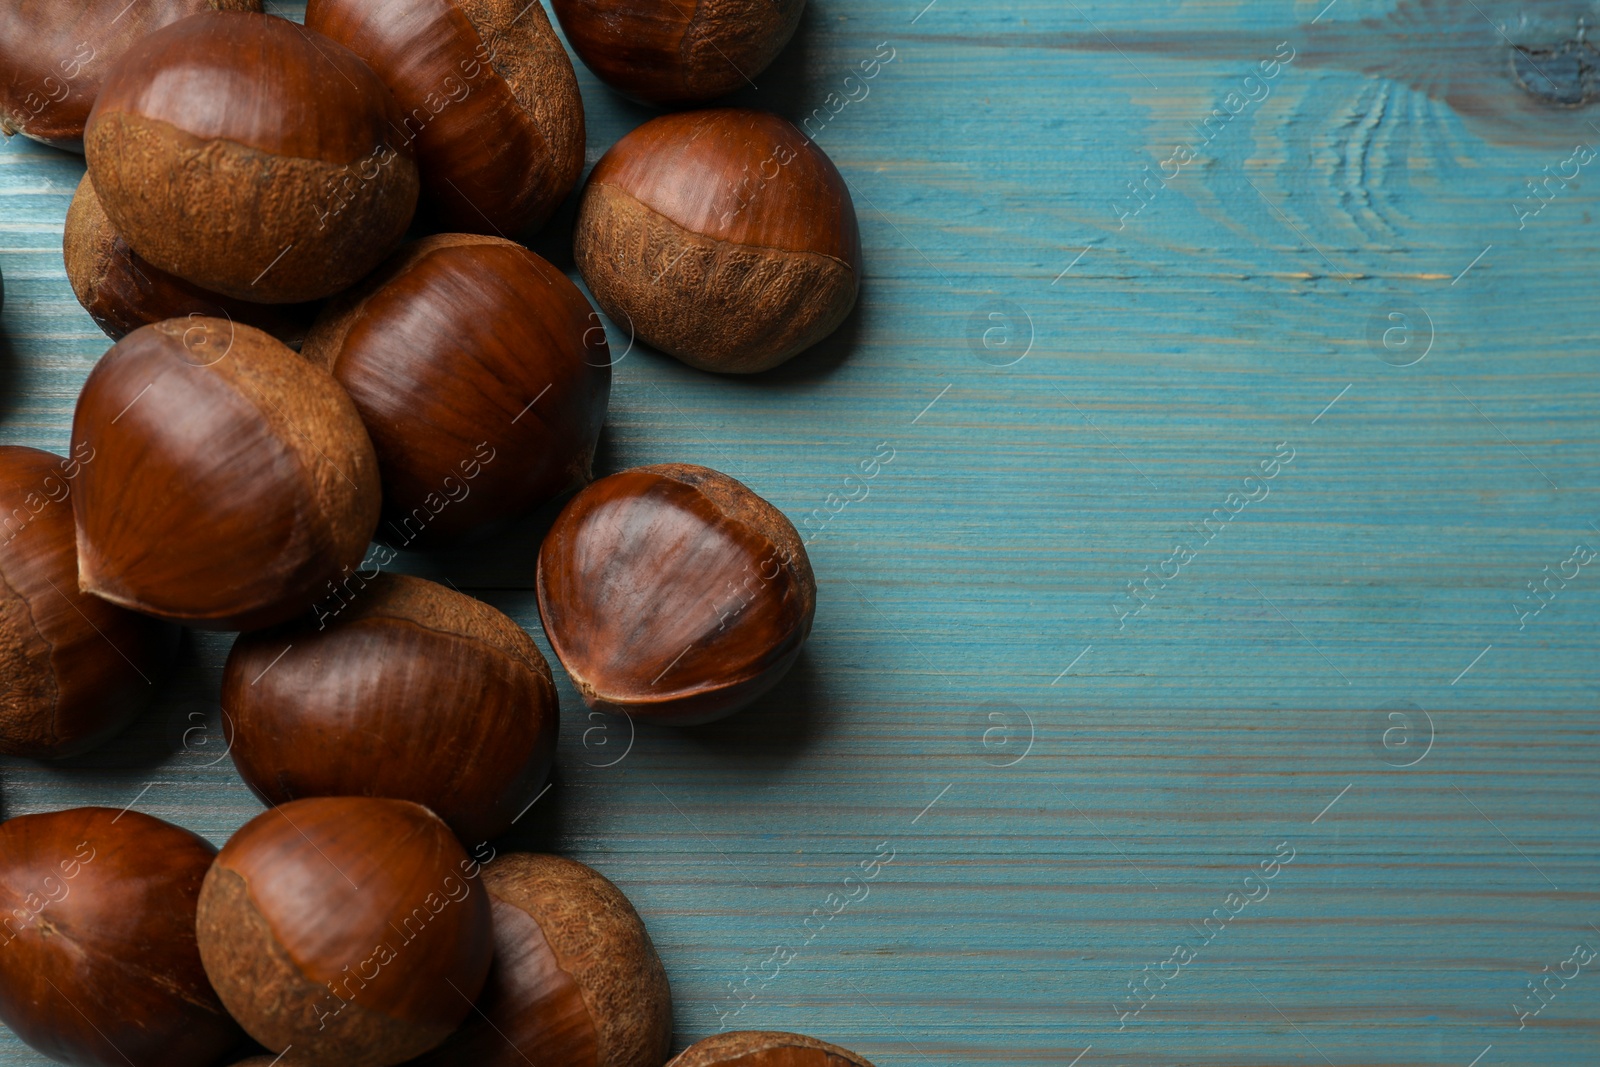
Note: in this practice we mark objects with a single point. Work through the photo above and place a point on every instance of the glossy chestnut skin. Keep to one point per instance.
(232, 479)
(398, 688)
(674, 593)
(122, 292)
(576, 980)
(765, 1048)
(725, 238)
(251, 157)
(74, 669)
(338, 925)
(676, 52)
(98, 961)
(55, 53)
(482, 375)
(488, 98)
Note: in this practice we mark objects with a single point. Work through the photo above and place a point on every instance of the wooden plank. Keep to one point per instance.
(981, 586)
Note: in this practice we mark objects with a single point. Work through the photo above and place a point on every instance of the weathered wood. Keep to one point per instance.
(981, 584)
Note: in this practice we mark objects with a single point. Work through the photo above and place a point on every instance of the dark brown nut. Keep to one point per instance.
(232, 479)
(98, 961)
(725, 238)
(765, 1048)
(487, 95)
(252, 157)
(675, 593)
(576, 980)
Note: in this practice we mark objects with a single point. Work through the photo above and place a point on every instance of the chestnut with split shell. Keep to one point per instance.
(487, 97)
(232, 479)
(74, 669)
(399, 688)
(674, 593)
(252, 157)
(725, 238)
(98, 959)
(676, 52)
(350, 929)
(765, 1048)
(576, 980)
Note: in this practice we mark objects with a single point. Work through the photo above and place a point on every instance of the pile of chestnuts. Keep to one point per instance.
(329, 348)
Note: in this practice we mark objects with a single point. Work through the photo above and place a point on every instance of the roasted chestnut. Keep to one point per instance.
(54, 54)
(98, 962)
(231, 479)
(352, 929)
(487, 95)
(398, 688)
(725, 238)
(675, 593)
(678, 51)
(576, 980)
(765, 1048)
(482, 374)
(122, 292)
(252, 157)
(74, 669)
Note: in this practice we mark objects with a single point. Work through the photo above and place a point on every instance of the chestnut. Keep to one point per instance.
(231, 480)
(765, 1048)
(98, 960)
(487, 96)
(677, 52)
(252, 157)
(575, 981)
(482, 374)
(398, 688)
(674, 593)
(122, 292)
(725, 238)
(74, 669)
(350, 928)
(53, 56)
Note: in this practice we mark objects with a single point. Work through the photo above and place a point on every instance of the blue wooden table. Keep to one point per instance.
(1208, 673)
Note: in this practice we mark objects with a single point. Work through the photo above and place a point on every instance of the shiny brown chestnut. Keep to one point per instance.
(725, 238)
(482, 375)
(55, 53)
(677, 52)
(675, 593)
(122, 292)
(98, 961)
(252, 157)
(765, 1048)
(352, 929)
(576, 980)
(397, 688)
(74, 669)
(487, 96)
(231, 480)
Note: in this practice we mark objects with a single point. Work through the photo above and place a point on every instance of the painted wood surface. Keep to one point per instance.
(1092, 317)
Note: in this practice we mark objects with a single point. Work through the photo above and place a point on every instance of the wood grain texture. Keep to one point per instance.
(974, 584)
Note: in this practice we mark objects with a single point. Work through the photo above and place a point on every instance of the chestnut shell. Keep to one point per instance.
(725, 238)
(676, 52)
(576, 980)
(765, 1048)
(482, 375)
(55, 53)
(99, 965)
(350, 928)
(487, 96)
(675, 593)
(74, 669)
(122, 292)
(400, 688)
(252, 157)
(232, 479)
